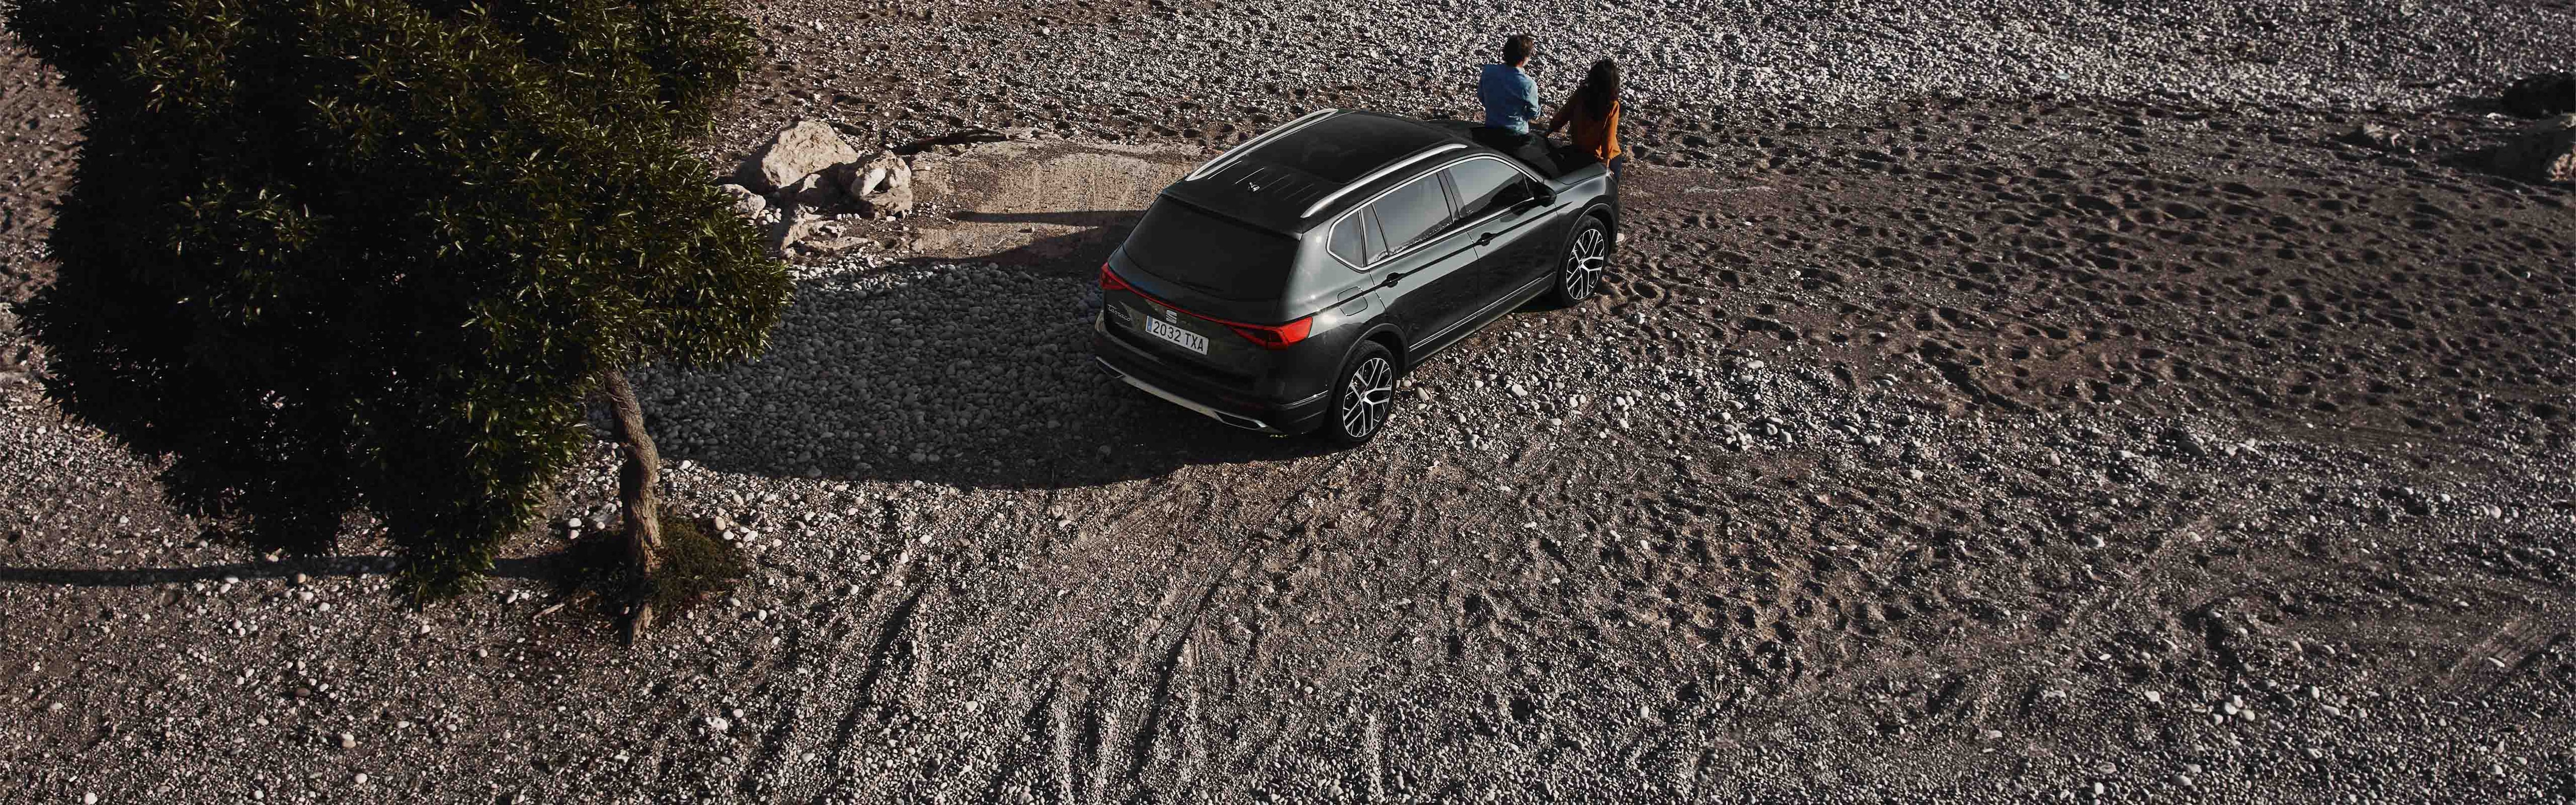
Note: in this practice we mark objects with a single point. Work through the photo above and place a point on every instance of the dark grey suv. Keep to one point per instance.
(1286, 284)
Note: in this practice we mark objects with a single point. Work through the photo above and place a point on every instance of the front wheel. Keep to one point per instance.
(1587, 255)
(1363, 397)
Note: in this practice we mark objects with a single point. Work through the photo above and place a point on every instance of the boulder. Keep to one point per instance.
(749, 203)
(795, 153)
(2542, 95)
(795, 225)
(813, 192)
(881, 185)
(888, 203)
(882, 172)
(2546, 152)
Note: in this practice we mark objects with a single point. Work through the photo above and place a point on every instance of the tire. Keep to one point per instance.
(1587, 255)
(1363, 396)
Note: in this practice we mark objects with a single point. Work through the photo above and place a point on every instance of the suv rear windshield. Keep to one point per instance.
(1211, 255)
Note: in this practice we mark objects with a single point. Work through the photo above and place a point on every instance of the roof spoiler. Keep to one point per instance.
(1380, 173)
(1237, 152)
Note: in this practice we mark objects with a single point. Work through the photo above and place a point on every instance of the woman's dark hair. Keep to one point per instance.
(1517, 48)
(1599, 90)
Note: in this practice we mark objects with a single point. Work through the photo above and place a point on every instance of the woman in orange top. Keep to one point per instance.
(1594, 114)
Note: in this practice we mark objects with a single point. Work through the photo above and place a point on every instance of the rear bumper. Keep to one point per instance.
(1173, 384)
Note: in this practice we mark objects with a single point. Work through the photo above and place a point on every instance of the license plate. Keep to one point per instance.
(1188, 340)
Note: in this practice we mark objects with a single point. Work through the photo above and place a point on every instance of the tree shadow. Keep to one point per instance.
(975, 373)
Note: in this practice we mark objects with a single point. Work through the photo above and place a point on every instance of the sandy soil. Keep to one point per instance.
(1988, 450)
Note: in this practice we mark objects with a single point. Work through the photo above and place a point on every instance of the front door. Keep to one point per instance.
(1520, 236)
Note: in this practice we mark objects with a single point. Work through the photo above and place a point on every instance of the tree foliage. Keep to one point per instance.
(341, 256)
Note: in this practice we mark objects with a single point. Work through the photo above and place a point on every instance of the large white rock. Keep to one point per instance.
(888, 203)
(882, 172)
(802, 149)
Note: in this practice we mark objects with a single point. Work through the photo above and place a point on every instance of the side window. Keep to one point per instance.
(1412, 212)
(1349, 243)
(1487, 186)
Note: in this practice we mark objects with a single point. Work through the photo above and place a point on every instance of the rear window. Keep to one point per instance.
(1413, 212)
(1211, 255)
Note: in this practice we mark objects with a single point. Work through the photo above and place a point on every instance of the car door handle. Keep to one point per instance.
(1487, 239)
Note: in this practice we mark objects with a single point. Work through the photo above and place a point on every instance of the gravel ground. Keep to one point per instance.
(2112, 447)
(1217, 71)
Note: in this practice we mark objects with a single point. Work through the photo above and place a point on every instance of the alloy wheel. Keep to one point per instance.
(1584, 262)
(1367, 393)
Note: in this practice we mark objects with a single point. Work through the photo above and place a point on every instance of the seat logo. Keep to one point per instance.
(1171, 316)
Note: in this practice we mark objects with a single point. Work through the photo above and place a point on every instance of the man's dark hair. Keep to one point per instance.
(1517, 48)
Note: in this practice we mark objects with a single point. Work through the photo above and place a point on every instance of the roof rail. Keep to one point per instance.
(1380, 173)
(1246, 147)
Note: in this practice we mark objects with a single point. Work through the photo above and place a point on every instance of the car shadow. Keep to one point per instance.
(974, 373)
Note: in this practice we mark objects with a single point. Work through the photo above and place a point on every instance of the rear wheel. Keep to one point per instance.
(1364, 396)
(1587, 255)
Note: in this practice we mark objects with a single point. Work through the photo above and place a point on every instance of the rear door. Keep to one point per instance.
(1421, 259)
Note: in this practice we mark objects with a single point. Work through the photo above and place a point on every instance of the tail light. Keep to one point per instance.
(1279, 337)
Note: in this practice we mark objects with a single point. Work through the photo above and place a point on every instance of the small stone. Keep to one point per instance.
(750, 205)
(362, 778)
(2379, 137)
(348, 741)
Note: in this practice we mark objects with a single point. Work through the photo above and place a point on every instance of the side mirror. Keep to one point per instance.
(1541, 193)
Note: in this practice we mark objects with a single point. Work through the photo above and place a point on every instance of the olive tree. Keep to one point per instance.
(326, 258)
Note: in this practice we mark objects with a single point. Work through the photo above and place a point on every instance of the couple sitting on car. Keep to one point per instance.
(1511, 105)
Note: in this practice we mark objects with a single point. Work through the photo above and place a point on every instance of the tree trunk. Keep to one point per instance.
(637, 490)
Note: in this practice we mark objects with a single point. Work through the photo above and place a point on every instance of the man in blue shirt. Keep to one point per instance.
(1511, 103)
(1510, 97)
